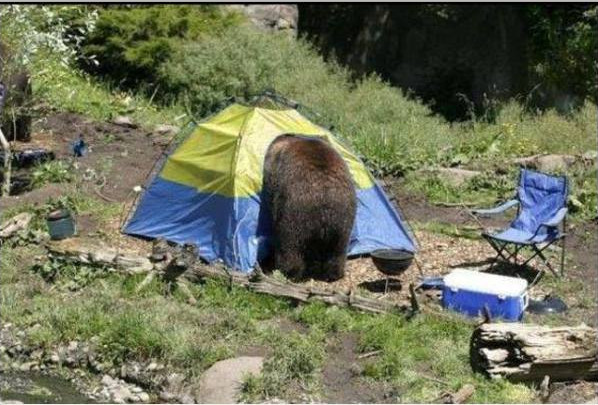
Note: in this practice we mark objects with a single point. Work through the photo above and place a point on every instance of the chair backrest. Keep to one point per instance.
(540, 197)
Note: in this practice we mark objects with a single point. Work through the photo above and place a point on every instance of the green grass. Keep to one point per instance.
(67, 89)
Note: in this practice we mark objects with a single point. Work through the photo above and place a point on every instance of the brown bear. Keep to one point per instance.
(309, 193)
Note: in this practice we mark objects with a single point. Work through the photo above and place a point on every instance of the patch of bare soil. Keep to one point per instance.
(119, 158)
(578, 392)
(341, 376)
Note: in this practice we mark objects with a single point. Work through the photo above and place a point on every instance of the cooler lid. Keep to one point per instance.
(485, 283)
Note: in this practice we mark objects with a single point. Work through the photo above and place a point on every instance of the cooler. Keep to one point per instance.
(469, 291)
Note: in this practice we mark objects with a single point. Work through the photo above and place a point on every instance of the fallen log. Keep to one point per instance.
(91, 252)
(94, 252)
(525, 352)
(15, 224)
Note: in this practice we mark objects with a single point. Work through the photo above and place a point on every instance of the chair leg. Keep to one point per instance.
(544, 259)
(563, 257)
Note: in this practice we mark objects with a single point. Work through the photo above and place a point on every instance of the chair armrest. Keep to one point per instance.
(552, 222)
(556, 218)
(496, 210)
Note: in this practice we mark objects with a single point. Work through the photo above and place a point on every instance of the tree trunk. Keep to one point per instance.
(7, 165)
(524, 352)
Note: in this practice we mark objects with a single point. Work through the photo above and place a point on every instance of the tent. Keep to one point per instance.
(207, 190)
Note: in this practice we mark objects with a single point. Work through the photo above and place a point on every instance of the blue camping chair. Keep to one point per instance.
(541, 202)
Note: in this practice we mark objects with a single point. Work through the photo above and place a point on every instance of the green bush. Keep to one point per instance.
(131, 42)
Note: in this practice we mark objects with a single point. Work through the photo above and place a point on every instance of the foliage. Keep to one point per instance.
(55, 171)
(563, 48)
(131, 42)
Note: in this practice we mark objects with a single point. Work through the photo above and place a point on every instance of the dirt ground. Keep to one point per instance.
(121, 158)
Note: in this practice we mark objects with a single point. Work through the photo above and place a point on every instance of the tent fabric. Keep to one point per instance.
(208, 192)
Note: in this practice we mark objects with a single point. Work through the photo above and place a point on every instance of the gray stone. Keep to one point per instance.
(547, 163)
(55, 358)
(136, 390)
(73, 344)
(550, 163)
(590, 156)
(121, 394)
(274, 17)
(108, 381)
(26, 366)
(166, 129)
(152, 366)
(124, 121)
(221, 382)
(454, 176)
(143, 397)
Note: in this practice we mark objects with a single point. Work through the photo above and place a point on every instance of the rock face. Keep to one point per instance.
(276, 17)
(220, 384)
(429, 49)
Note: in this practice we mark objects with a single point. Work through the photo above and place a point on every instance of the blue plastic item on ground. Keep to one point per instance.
(469, 292)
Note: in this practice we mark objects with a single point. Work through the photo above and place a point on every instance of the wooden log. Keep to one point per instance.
(525, 352)
(15, 224)
(93, 252)
(175, 260)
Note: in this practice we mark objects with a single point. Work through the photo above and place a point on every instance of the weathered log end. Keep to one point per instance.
(525, 352)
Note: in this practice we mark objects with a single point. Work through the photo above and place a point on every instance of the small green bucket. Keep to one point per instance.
(60, 224)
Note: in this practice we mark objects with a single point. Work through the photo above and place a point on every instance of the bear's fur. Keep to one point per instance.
(311, 200)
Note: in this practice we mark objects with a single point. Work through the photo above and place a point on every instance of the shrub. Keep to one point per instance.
(131, 42)
(52, 172)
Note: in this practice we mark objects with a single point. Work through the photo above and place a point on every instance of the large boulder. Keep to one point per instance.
(275, 17)
(547, 163)
(221, 383)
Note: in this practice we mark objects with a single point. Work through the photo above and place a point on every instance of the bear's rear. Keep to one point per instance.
(310, 194)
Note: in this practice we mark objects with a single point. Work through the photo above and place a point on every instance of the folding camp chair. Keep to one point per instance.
(541, 206)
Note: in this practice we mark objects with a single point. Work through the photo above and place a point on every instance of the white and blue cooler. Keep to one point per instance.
(469, 291)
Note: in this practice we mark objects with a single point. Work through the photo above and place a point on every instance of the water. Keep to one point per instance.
(38, 388)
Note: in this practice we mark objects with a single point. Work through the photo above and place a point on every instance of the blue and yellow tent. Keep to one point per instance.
(207, 191)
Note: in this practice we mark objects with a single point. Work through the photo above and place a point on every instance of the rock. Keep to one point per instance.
(221, 382)
(166, 129)
(590, 156)
(2, 348)
(454, 176)
(274, 17)
(165, 396)
(121, 394)
(186, 399)
(108, 381)
(124, 121)
(143, 397)
(547, 163)
(152, 366)
(136, 390)
(73, 344)
(37, 354)
(26, 366)
(54, 358)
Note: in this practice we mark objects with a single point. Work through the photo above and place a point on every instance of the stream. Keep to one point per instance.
(39, 388)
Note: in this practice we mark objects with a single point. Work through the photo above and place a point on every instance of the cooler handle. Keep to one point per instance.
(525, 300)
